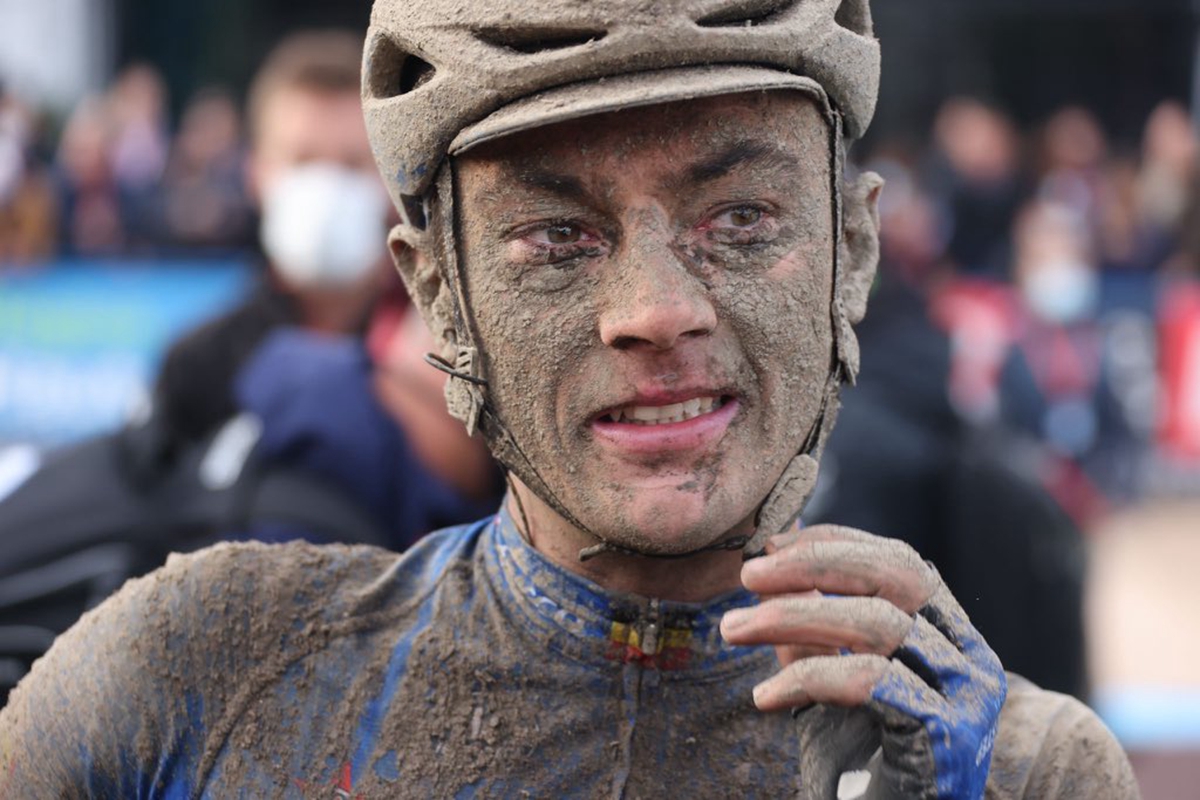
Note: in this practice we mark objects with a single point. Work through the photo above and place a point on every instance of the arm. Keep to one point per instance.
(94, 718)
(138, 697)
(1051, 745)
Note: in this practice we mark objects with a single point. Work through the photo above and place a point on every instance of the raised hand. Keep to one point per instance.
(860, 621)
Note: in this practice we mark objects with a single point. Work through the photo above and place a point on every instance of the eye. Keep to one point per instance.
(739, 217)
(741, 225)
(559, 244)
(559, 234)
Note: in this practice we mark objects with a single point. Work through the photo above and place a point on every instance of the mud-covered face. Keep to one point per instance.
(652, 291)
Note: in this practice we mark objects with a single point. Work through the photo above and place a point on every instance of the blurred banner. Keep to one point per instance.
(80, 343)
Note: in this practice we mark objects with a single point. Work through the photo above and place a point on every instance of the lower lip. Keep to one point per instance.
(669, 437)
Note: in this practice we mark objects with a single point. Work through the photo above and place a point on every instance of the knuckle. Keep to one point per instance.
(881, 626)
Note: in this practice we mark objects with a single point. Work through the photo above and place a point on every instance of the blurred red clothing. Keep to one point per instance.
(1179, 335)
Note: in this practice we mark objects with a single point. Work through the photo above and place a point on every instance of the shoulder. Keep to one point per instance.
(256, 588)
(246, 601)
(1052, 745)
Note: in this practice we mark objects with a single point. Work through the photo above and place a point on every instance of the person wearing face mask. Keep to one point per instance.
(1061, 383)
(323, 219)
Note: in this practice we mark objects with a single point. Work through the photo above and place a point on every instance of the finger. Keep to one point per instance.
(953, 663)
(935, 659)
(834, 680)
(944, 613)
(825, 533)
(877, 568)
(901, 696)
(859, 624)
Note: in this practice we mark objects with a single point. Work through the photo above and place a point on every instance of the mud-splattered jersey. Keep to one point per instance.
(468, 667)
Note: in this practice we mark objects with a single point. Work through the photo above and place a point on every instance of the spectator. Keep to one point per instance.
(205, 200)
(1057, 384)
(92, 223)
(324, 212)
(28, 207)
(138, 108)
(900, 462)
(1073, 154)
(1169, 153)
(976, 175)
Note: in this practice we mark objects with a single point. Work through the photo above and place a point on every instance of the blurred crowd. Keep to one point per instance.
(1063, 268)
(114, 178)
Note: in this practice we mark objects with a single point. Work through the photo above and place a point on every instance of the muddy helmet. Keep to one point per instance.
(441, 76)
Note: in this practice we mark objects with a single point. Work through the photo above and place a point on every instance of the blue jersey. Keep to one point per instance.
(471, 666)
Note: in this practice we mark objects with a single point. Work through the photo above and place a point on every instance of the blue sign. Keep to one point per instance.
(80, 342)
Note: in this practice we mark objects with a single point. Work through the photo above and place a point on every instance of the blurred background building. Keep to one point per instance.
(1040, 290)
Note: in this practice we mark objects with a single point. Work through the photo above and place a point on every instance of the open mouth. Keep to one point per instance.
(665, 415)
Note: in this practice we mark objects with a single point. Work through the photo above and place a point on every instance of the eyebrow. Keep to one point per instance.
(567, 186)
(720, 164)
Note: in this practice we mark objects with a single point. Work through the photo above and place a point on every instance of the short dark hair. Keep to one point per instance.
(318, 60)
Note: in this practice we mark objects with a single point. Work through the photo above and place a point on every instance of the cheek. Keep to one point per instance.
(782, 320)
(534, 343)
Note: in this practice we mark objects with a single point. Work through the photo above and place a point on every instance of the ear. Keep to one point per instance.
(860, 243)
(418, 268)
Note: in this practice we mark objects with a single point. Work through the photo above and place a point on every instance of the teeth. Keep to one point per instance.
(662, 415)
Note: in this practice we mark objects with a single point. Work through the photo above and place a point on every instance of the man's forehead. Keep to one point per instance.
(682, 144)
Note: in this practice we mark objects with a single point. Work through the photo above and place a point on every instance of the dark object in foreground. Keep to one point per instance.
(114, 507)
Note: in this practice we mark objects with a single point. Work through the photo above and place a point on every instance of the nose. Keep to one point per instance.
(654, 303)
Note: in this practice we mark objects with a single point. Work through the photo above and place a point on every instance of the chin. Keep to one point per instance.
(670, 522)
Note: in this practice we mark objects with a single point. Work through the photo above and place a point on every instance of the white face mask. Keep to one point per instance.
(1062, 292)
(323, 225)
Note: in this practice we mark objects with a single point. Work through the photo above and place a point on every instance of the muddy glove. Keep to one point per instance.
(861, 623)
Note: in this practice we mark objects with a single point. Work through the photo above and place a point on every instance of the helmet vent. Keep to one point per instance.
(393, 72)
(532, 41)
(746, 14)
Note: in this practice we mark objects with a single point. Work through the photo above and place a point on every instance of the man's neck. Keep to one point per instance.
(692, 579)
